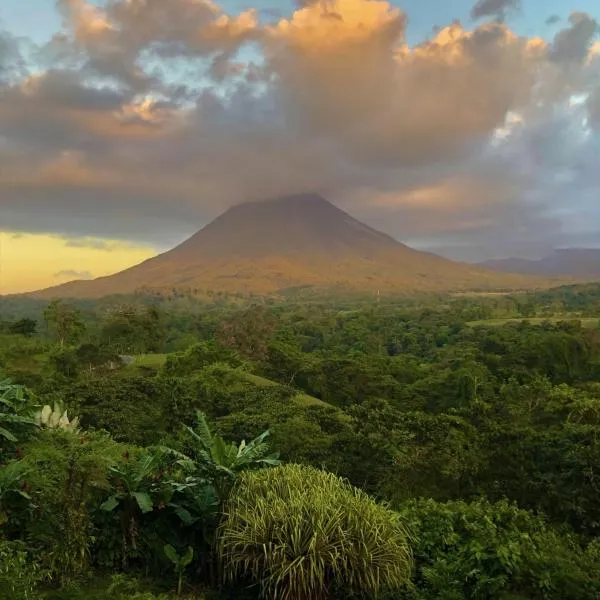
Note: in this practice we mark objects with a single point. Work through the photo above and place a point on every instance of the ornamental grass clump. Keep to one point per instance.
(303, 534)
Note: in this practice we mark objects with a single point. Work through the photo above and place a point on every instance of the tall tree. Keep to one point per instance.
(64, 321)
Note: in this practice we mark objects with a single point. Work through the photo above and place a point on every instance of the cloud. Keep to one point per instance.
(98, 244)
(593, 105)
(572, 44)
(494, 8)
(88, 243)
(73, 274)
(147, 118)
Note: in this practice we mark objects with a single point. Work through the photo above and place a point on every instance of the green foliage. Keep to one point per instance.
(11, 483)
(64, 321)
(14, 409)
(220, 462)
(19, 576)
(91, 356)
(131, 329)
(64, 362)
(198, 356)
(120, 587)
(133, 409)
(483, 550)
(302, 533)
(405, 398)
(134, 482)
(68, 473)
(25, 326)
(179, 562)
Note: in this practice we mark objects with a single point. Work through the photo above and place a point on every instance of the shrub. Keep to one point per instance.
(18, 576)
(483, 550)
(302, 534)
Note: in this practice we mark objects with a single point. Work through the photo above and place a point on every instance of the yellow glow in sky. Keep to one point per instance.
(35, 261)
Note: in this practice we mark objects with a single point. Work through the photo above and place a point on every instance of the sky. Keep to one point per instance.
(470, 128)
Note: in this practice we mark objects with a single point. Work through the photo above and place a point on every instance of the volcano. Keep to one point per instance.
(296, 241)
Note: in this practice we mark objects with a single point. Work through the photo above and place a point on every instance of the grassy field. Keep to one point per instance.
(300, 398)
(150, 361)
(586, 322)
(157, 361)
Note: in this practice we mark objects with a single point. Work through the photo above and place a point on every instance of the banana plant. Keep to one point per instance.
(134, 482)
(220, 462)
(179, 562)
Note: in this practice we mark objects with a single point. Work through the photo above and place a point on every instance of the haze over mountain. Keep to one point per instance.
(300, 240)
(576, 262)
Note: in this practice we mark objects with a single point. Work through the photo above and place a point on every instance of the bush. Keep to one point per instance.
(121, 587)
(18, 576)
(68, 475)
(303, 534)
(484, 550)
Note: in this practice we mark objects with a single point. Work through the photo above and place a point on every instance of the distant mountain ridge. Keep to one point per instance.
(574, 262)
(295, 241)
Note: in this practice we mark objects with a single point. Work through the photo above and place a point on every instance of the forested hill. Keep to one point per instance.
(457, 437)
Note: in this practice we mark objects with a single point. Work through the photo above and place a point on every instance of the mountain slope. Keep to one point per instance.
(302, 240)
(575, 262)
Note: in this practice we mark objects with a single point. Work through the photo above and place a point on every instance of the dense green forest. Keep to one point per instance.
(418, 448)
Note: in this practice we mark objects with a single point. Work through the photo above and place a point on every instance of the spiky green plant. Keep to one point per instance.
(301, 534)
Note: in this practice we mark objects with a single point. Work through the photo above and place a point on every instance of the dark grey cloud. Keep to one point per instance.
(572, 44)
(494, 8)
(95, 244)
(12, 61)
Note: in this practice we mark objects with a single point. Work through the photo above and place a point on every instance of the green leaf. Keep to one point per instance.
(7, 435)
(187, 558)
(184, 515)
(171, 554)
(144, 501)
(110, 504)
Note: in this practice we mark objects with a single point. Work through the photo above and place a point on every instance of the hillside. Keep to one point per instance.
(576, 262)
(267, 247)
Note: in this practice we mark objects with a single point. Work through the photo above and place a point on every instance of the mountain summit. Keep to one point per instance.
(292, 226)
(301, 240)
